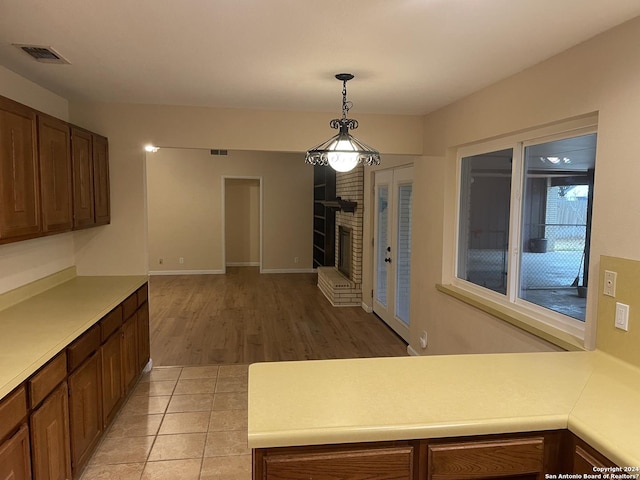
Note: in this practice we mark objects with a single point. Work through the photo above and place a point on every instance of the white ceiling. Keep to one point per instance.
(408, 56)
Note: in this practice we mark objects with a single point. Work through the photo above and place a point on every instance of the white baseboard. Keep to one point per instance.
(186, 272)
(367, 308)
(287, 270)
(411, 351)
(243, 264)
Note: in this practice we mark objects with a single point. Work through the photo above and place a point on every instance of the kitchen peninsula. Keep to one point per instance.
(400, 404)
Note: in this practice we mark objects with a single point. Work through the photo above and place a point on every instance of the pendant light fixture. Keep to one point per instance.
(343, 152)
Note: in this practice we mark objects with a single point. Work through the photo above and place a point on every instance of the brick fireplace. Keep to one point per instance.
(345, 289)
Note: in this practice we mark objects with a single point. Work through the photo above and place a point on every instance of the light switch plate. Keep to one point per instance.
(622, 316)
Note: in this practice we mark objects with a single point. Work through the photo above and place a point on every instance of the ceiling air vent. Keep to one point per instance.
(42, 54)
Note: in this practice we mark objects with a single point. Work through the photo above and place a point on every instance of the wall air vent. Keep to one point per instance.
(42, 54)
(219, 152)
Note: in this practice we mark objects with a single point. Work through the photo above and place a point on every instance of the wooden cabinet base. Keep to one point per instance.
(85, 410)
(50, 437)
(522, 456)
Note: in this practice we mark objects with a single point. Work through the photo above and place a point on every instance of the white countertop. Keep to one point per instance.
(37, 329)
(340, 401)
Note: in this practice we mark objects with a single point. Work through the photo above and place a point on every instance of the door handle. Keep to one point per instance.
(388, 260)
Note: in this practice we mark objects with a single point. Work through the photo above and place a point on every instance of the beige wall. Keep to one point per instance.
(597, 76)
(185, 209)
(611, 339)
(25, 262)
(120, 248)
(242, 221)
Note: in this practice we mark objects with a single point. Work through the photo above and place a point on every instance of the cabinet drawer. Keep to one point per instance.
(13, 410)
(47, 378)
(481, 459)
(142, 294)
(393, 463)
(111, 322)
(84, 346)
(129, 306)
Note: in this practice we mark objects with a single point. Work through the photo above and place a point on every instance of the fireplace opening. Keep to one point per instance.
(344, 251)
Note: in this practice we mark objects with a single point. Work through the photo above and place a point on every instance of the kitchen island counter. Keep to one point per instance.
(595, 396)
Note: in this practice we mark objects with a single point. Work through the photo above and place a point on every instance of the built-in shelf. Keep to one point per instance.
(324, 189)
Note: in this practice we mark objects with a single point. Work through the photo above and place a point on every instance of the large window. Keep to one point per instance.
(524, 223)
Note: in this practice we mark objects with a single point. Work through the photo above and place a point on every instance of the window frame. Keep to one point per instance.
(511, 302)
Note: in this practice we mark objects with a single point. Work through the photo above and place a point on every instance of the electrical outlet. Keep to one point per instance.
(181, 260)
(296, 259)
(161, 261)
(423, 340)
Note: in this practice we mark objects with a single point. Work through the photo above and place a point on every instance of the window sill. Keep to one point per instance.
(547, 332)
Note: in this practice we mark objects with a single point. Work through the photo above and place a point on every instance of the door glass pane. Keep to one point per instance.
(383, 241)
(485, 197)
(556, 221)
(403, 256)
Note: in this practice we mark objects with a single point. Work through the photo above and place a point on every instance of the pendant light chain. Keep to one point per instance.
(346, 105)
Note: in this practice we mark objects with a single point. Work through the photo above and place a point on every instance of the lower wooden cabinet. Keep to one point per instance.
(85, 410)
(129, 352)
(510, 458)
(586, 459)
(112, 384)
(382, 461)
(50, 437)
(523, 456)
(15, 461)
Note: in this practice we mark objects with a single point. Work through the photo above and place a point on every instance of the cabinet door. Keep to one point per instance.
(82, 162)
(144, 352)
(50, 437)
(586, 458)
(101, 180)
(15, 463)
(54, 151)
(129, 352)
(85, 410)
(19, 184)
(335, 463)
(112, 386)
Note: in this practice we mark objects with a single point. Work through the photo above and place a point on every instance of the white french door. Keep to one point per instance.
(393, 191)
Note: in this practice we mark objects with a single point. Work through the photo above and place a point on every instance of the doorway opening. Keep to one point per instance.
(242, 223)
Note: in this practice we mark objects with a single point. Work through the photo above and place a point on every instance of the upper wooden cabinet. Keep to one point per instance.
(54, 177)
(101, 180)
(90, 160)
(19, 183)
(82, 161)
(54, 147)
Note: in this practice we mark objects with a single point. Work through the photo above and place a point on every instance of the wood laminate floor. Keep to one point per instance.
(245, 317)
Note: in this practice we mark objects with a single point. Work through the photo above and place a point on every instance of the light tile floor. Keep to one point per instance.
(180, 423)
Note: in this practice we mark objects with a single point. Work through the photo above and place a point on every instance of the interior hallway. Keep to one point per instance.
(245, 317)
